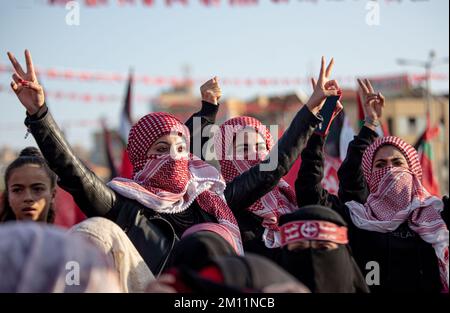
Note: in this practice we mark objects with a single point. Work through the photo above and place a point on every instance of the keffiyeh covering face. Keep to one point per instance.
(168, 184)
(39, 258)
(281, 200)
(396, 196)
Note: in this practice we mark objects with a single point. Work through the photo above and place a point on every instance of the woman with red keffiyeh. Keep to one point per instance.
(171, 189)
(392, 218)
(244, 145)
(397, 199)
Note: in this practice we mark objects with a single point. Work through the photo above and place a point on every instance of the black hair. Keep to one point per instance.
(29, 155)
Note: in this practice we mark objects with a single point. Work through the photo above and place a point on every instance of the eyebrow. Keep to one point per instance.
(162, 142)
(32, 185)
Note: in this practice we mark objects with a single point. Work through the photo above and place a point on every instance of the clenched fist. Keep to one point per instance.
(211, 91)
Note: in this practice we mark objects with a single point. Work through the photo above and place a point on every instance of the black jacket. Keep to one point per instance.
(406, 262)
(288, 149)
(153, 234)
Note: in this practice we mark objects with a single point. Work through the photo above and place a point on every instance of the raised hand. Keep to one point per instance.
(25, 85)
(373, 103)
(211, 91)
(323, 87)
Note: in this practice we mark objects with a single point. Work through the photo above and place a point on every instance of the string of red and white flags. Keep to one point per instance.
(185, 3)
(160, 81)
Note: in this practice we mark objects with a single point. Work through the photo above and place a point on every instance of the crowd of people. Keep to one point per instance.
(181, 224)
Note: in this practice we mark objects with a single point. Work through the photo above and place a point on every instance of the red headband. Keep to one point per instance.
(313, 230)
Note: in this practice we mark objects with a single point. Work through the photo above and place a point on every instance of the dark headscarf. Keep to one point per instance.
(323, 271)
(252, 272)
(232, 274)
(196, 250)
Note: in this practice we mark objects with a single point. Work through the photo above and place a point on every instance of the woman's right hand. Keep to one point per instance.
(25, 85)
(323, 88)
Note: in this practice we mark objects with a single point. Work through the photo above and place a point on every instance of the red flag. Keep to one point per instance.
(126, 122)
(126, 169)
(94, 3)
(291, 176)
(67, 212)
(148, 2)
(423, 147)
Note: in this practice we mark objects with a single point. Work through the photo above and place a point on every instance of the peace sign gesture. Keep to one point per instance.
(323, 87)
(373, 103)
(25, 85)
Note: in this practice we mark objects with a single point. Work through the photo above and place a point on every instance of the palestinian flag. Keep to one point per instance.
(423, 147)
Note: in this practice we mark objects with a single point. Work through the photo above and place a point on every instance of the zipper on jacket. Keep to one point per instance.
(27, 133)
(173, 240)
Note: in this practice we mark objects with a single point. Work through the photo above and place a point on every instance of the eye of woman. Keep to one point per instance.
(299, 246)
(162, 147)
(380, 164)
(320, 245)
(16, 189)
(38, 189)
(399, 162)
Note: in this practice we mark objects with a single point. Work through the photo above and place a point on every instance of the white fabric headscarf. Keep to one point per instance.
(134, 274)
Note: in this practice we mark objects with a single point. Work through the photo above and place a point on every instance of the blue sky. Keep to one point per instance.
(267, 40)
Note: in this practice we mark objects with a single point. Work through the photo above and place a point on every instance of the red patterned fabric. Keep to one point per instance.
(215, 228)
(397, 195)
(170, 184)
(281, 200)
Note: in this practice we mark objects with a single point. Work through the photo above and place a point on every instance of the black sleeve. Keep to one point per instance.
(352, 184)
(446, 211)
(205, 117)
(89, 192)
(308, 186)
(247, 188)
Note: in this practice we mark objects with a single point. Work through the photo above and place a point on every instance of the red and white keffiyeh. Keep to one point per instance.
(397, 195)
(170, 184)
(281, 200)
